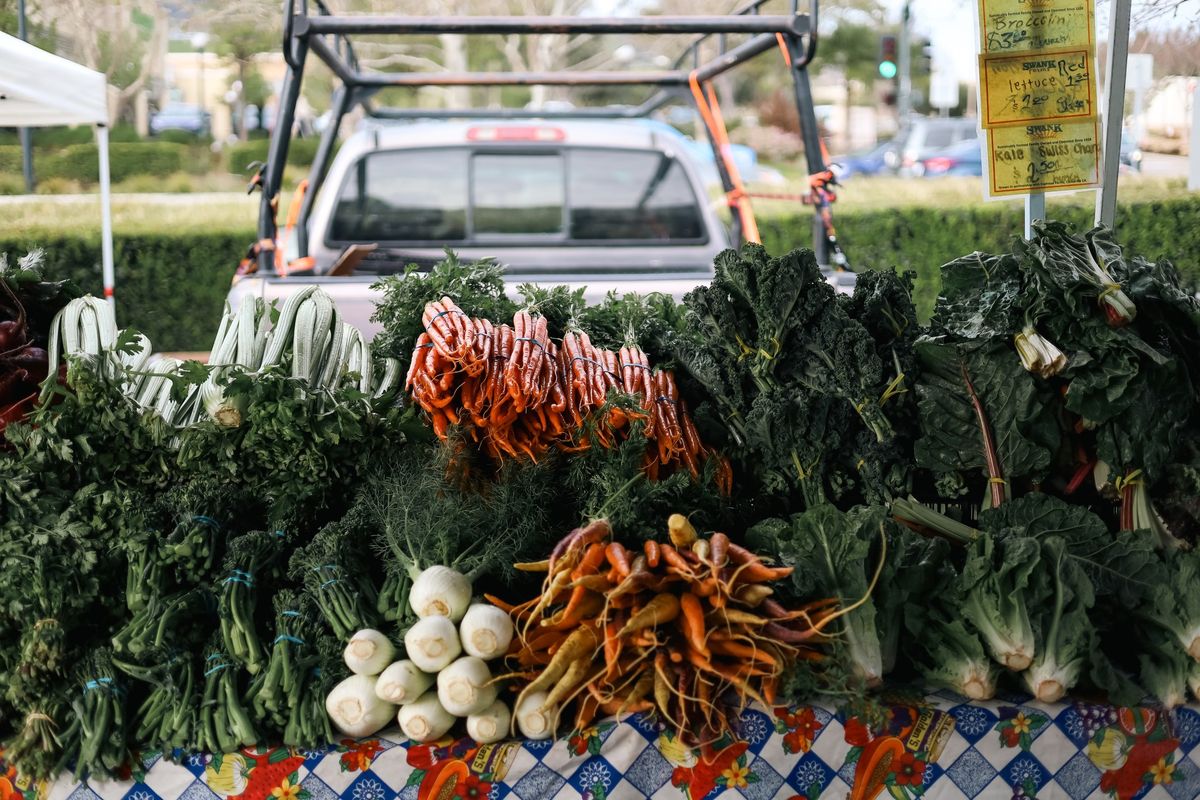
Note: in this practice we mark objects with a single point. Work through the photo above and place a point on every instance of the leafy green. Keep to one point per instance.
(477, 288)
(1064, 633)
(995, 584)
(798, 384)
(1117, 564)
(1018, 409)
(830, 550)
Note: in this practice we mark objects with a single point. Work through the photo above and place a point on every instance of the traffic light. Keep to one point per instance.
(887, 56)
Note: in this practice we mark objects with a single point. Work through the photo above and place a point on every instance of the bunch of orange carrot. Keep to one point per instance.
(519, 393)
(685, 628)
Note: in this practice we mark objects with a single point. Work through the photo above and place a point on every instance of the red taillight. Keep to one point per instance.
(939, 164)
(516, 133)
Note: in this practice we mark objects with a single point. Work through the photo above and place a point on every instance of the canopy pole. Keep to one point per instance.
(1114, 110)
(106, 245)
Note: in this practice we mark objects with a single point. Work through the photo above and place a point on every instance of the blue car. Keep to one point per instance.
(963, 158)
(870, 162)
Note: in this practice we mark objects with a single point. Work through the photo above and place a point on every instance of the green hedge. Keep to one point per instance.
(81, 161)
(63, 136)
(171, 286)
(238, 157)
(922, 239)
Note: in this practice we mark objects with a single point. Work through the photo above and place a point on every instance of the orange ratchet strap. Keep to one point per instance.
(710, 111)
(282, 267)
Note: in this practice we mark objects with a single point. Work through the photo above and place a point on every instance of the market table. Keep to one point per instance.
(934, 744)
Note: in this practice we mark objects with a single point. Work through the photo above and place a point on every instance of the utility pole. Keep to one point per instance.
(25, 133)
(904, 89)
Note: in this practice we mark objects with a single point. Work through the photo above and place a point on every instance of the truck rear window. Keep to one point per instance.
(461, 195)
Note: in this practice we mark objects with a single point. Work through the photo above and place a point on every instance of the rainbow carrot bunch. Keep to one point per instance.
(686, 629)
(520, 394)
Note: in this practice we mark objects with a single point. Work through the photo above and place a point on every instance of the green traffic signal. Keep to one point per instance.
(887, 69)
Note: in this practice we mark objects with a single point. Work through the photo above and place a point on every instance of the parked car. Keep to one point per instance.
(181, 117)
(1131, 154)
(963, 158)
(868, 162)
(922, 137)
(610, 205)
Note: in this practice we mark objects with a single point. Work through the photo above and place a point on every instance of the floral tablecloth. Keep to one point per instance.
(933, 745)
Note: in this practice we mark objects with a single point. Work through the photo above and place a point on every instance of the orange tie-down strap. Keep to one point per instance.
(282, 267)
(738, 199)
(249, 263)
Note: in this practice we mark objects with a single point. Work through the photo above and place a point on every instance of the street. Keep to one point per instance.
(1163, 165)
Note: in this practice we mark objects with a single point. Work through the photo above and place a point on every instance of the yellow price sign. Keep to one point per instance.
(1009, 26)
(1037, 86)
(1043, 157)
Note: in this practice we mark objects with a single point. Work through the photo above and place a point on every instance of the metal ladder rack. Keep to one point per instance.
(329, 37)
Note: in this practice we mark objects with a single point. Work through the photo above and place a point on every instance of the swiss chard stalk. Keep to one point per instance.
(995, 582)
(1066, 636)
(1138, 512)
(916, 516)
(1038, 354)
(997, 486)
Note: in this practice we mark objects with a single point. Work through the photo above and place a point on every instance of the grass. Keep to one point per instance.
(234, 210)
(880, 193)
(132, 213)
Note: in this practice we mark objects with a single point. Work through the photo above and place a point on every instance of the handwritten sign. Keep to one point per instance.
(1043, 157)
(1037, 86)
(1009, 26)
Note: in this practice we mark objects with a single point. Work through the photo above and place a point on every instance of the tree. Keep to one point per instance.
(854, 50)
(38, 31)
(1175, 50)
(124, 39)
(459, 53)
(242, 31)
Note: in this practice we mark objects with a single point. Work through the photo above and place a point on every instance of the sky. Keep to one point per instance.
(950, 26)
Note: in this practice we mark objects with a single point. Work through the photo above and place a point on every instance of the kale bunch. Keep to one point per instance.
(798, 386)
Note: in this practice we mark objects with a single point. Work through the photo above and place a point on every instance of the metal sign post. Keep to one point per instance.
(1035, 209)
(1114, 110)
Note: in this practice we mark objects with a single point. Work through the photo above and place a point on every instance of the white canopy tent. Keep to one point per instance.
(39, 89)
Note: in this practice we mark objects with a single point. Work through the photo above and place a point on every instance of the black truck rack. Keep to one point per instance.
(330, 38)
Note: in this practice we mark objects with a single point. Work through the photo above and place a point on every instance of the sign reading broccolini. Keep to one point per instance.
(1017, 26)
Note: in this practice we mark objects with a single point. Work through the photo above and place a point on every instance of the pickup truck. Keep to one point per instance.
(604, 197)
(607, 204)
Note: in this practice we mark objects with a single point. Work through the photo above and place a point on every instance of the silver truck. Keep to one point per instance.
(612, 204)
(602, 197)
